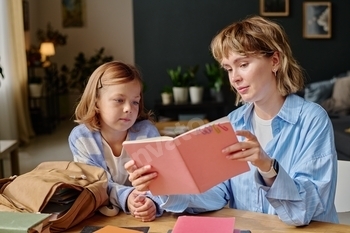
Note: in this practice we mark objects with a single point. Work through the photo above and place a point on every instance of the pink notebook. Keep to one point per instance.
(202, 224)
(191, 162)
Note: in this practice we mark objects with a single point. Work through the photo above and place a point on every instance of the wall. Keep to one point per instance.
(108, 24)
(171, 33)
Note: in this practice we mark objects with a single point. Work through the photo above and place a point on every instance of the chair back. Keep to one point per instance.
(342, 193)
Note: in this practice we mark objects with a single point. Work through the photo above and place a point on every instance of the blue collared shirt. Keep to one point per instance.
(304, 189)
(87, 147)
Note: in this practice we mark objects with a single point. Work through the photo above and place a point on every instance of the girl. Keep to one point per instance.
(110, 111)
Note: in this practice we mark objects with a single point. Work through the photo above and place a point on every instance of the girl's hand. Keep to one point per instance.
(140, 178)
(133, 201)
(249, 150)
(147, 211)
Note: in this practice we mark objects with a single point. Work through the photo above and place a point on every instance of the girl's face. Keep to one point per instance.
(119, 106)
(252, 76)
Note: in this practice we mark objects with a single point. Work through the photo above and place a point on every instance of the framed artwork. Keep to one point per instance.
(317, 20)
(72, 13)
(274, 7)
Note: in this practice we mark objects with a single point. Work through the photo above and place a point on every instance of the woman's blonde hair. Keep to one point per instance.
(256, 35)
(110, 73)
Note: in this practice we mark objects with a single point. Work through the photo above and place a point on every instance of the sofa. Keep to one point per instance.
(334, 96)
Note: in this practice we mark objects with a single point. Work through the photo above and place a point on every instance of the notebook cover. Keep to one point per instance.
(204, 224)
(91, 229)
(12, 222)
(235, 231)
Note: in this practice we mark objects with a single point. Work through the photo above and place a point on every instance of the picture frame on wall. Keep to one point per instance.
(73, 13)
(274, 7)
(317, 20)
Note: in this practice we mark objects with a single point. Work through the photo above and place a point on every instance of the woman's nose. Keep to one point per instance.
(234, 77)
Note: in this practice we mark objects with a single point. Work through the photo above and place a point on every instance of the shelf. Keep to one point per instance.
(44, 110)
(210, 110)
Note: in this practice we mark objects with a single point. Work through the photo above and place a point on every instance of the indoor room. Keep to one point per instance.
(54, 47)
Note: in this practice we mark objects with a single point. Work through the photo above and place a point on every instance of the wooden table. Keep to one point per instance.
(9, 147)
(245, 220)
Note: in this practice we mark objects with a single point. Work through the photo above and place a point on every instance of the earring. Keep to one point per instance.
(274, 72)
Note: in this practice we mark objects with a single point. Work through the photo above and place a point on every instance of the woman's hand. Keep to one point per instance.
(141, 207)
(140, 178)
(249, 150)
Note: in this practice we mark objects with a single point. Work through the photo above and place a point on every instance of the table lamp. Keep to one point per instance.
(46, 49)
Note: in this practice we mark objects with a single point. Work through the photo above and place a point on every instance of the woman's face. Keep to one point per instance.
(119, 105)
(252, 76)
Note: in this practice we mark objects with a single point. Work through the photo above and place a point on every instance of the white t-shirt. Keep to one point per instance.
(262, 129)
(115, 164)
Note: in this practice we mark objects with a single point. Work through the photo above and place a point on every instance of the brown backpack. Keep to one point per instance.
(32, 191)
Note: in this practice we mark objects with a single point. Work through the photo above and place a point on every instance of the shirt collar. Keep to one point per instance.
(289, 112)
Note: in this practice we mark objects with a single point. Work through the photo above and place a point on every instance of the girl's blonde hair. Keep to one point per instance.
(260, 37)
(110, 73)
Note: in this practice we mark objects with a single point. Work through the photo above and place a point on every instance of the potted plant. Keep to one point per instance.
(51, 35)
(215, 75)
(195, 90)
(77, 77)
(167, 95)
(72, 81)
(35, 85)
(180, 84)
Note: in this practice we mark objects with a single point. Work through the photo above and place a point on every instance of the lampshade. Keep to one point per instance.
(47, 49)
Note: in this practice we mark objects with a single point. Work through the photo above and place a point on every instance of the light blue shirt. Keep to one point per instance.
(87, 148)
(304, 189)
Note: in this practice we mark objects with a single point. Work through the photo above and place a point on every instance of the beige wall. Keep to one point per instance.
(108, 24)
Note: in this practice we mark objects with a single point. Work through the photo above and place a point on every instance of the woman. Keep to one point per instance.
(287, 141)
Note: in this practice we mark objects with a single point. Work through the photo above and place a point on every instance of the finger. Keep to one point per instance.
(139, 172)
(131, 209)
(137, 192)
(241, 155)
(130, 166)
(143, 182)
(149, 217)
(143, 210)
(140, 198)
(148, 213)
(247, 134)
(142, 187)
(147, 206)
